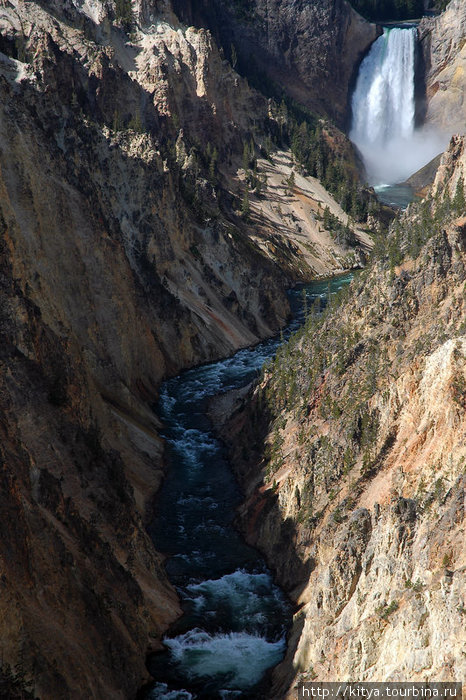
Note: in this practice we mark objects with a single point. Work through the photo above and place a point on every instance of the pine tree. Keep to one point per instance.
(124, 13)
(136, 123)
(459, 200)
(291, 182)
(245, 203)
(234, 56)
(117, 123)
(245, 157)
(326, 219)
(213, 165)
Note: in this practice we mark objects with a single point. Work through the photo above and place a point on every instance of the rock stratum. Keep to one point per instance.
(356, 469)
(128, 251)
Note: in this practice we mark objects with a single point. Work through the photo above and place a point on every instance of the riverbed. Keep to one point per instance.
(235, 618)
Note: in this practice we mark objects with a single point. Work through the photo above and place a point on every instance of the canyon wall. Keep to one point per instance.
(443, 40)
(125, 257)
(352, 454)
(310, 51)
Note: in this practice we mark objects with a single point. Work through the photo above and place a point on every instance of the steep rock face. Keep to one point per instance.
(310, 50)
(103, 294)
(451, 171)
(443, 41)
(123, 259)
(359, 501)
(84, 595)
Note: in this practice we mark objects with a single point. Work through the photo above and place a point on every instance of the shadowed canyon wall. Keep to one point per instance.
(124, 258)
(298, 47)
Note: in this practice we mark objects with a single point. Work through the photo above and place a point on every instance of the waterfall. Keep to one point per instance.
(383, 108)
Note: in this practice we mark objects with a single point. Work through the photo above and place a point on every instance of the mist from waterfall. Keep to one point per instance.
(383, 108)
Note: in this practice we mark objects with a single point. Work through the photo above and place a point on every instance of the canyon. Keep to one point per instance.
(153, 213)
(353, 449)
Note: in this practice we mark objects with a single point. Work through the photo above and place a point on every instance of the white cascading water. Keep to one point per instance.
(383, 107)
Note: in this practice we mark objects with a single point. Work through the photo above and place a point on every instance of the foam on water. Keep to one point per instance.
(227, 657)
(162, 692)
(245, 599)
(235, 618)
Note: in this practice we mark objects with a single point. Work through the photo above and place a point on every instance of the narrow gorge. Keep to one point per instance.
(233, 612)
(183, 189)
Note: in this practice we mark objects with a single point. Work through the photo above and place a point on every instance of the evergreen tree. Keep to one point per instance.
(245, 208)
(234, 56)
(124, 13)
(213, 165)
(459, 201)
(117, 124)
(245, 157)
(291, 182)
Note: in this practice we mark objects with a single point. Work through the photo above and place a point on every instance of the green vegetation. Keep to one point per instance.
(255, 181)
(245, 208)
(13, 684)
(290, 183)
(377, 10)
(411, 230)
(233, 56)
(311, 142)
(329, 372)
(317, 145)
(384, 611)
(309, 367)
(124, 14)
(389, 9)
(135, 123)
(194, 170)
(417, 586)
(117, 123)
(446, 561)
(440, 5)
(243, 9)
(458, 387)
(212, 157)
(342, 233)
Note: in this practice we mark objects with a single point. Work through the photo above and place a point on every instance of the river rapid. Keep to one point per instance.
(235, 618)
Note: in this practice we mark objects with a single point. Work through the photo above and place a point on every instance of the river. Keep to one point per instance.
(235, 618)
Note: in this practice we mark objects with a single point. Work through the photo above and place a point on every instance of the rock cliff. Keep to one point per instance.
(355, 476)
(443, 41)
(125, 256)
(291, 46)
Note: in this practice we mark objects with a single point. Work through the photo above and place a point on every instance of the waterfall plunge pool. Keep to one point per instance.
(235, 618)
(397, 196)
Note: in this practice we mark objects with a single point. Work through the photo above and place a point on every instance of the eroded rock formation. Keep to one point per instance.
(297, 47)
(124, 257)
(443, 41)
(356, 474)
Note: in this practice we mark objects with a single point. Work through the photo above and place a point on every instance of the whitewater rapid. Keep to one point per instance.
(235, 619)
(384, 110)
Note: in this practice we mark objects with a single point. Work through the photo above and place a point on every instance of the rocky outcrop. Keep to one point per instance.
(310, 50)
(451, 171)
(443, 41)
(422, 180)
(355, 482)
